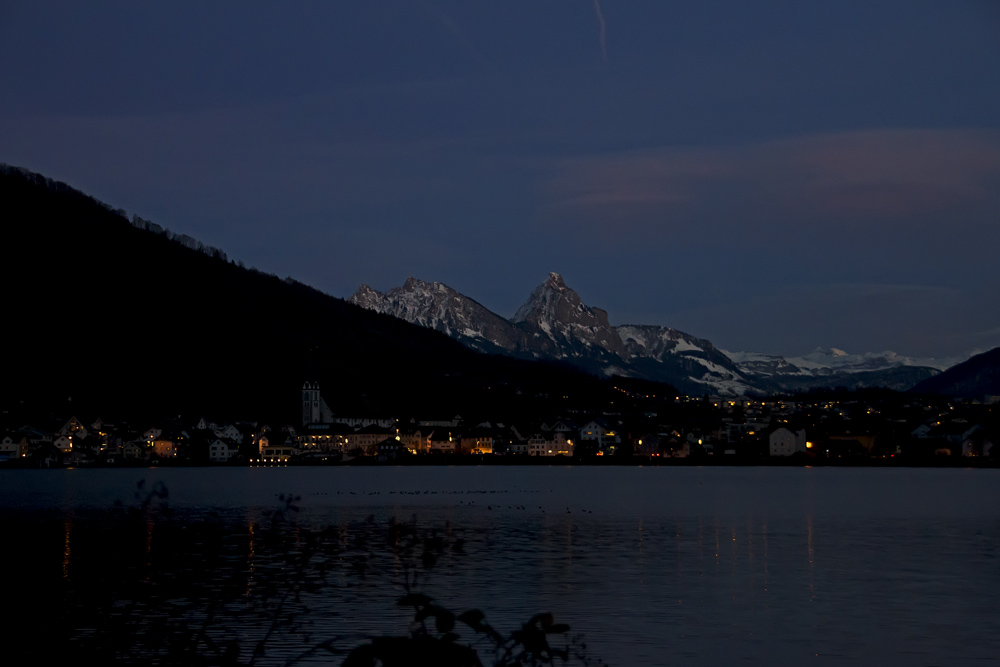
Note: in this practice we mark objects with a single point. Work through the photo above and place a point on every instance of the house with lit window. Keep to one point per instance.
(414, 438)
(443, 442)
(278, 453)
(599, 435)
(164, 447)
(477, 441)
(13, 446)
(559, 443)
(64, 443)
(321, 437)
(647, 445)
(367, 438)
(517, 446)
(537, 445)
(547, 443)
(74, 427)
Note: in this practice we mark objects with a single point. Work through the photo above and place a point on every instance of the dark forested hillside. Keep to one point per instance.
(126, 321)
(973, 378)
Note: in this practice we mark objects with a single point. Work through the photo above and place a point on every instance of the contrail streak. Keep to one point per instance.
(600, 21)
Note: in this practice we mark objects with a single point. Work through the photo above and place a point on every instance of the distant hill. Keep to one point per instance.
(975, 378)
(127, 319)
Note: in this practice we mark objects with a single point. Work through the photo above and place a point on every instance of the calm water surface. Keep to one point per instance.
(654, 566)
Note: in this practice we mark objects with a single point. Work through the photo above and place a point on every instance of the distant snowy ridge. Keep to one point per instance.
(830, 361)
(697, 357)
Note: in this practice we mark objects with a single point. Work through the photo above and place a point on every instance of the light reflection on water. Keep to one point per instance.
(698, 566)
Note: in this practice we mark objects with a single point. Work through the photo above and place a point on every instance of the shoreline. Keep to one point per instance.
(556, 461)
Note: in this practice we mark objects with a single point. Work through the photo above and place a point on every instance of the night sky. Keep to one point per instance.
(773, 176)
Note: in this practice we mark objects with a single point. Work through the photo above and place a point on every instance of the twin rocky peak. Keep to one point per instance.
(555, 324)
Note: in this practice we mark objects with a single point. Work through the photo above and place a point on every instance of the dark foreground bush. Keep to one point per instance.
(434, 637)
(147, 585)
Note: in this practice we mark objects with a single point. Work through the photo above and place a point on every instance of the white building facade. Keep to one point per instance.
(785, 442)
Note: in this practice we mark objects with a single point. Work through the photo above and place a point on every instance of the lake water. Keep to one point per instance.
(651, 566)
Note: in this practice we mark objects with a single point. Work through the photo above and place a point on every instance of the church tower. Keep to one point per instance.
(311, 404)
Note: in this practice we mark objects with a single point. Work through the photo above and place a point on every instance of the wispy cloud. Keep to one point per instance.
(874, 174)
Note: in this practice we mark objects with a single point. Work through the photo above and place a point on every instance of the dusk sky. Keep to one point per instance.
(773, 176)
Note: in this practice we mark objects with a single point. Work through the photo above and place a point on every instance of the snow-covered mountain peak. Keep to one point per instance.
(556, 312)
(417, 285)
(555, 281)
(436, 306)
(546, 299)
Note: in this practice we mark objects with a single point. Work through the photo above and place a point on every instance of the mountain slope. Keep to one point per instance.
(975, 378)
(127, 321)
(657, 350)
